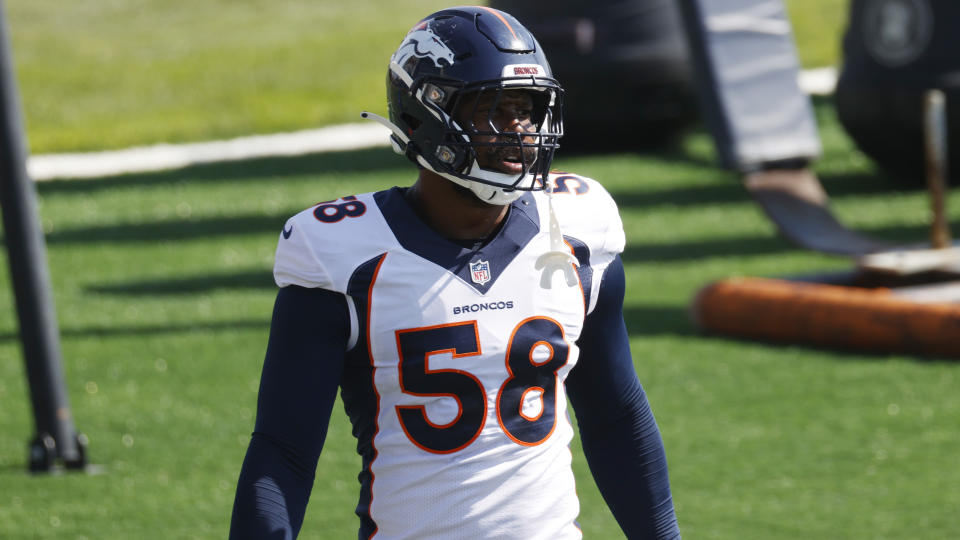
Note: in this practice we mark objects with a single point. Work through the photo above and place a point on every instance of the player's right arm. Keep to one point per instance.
(298, 387)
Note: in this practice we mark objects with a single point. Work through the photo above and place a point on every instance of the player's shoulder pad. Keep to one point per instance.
(322, 245)
(586, 212)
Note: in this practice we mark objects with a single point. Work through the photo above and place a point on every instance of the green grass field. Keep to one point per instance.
(116, 73)
(163, 291)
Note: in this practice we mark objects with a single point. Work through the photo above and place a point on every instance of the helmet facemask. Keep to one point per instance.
(500, 135)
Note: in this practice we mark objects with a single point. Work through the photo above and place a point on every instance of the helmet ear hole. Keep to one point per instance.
(410, 120)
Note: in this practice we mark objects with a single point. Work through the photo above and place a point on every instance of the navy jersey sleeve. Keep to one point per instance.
(298, 387)
(620, 437)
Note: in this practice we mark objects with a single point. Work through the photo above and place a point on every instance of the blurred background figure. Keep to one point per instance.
(893, 51)
(624, 67)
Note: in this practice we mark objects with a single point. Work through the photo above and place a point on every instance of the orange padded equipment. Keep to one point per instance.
(866, 319)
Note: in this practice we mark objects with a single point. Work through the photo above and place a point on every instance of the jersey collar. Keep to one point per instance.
(520, 226)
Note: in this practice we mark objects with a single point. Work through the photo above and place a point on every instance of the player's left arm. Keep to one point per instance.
(620, 437)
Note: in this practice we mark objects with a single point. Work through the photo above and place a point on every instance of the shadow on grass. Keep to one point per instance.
(153, 329)
(643, 320)
(250, 279)
(672, 151)
(21, 469)
(741, 246)
(358, 161)
(853, 184)
(173, 230)
(839, 354)
(733, 192)
(684, 251)
(730, 193)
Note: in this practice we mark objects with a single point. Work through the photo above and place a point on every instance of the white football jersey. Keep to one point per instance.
(454, 376)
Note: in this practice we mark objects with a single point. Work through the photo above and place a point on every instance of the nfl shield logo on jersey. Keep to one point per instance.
(480, 272)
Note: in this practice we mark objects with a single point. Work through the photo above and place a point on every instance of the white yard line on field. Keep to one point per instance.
(171, 156)
(329, 139)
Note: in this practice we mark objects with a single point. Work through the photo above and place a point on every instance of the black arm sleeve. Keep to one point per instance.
(620, 437)
(298, 387)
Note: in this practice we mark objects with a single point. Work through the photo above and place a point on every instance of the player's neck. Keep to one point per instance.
(453, 213)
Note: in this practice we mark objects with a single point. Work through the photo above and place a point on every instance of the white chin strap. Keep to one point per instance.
(486, 193)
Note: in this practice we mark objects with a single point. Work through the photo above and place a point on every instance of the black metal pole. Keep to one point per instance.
(55, 437)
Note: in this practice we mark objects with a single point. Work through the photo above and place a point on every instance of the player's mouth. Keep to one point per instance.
(512, 161)
(511, 164)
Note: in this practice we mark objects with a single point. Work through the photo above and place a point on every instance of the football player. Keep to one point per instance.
(456, 317)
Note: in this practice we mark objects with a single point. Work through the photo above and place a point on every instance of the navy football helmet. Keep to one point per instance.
(444, 85)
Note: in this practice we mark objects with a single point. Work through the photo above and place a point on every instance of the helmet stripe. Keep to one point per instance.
(502, 19)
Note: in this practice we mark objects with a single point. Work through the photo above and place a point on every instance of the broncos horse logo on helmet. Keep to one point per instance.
(450, 58)
(423, 44)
